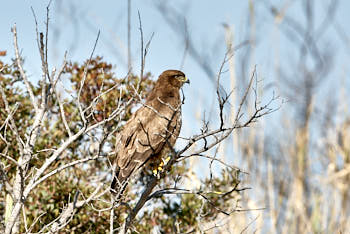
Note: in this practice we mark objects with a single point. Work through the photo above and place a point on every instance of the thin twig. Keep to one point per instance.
(82, 82)
(23, 75)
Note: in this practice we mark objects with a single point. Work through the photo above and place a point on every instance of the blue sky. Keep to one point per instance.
(75, 23)
(74, 27)
(110, 18)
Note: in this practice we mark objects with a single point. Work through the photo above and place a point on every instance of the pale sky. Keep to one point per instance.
(75, 23)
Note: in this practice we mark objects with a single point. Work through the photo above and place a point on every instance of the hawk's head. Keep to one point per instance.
(174, 78)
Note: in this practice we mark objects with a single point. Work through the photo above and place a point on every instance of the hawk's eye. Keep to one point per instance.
(176, 76)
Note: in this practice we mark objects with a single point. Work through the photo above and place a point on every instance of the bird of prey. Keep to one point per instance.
(152, 130)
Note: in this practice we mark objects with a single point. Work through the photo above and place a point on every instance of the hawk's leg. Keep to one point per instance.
(157, 168)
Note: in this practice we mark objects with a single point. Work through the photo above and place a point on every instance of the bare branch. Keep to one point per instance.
(82, 82)
(63, 167)
(24, 76)
(144, 51)
(9, 118)
(63, 115)
(68, 212)
(181, 158)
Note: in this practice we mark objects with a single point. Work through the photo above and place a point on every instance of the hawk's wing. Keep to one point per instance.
(145, 134)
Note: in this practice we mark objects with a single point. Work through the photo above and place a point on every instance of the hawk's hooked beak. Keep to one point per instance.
(185, 80)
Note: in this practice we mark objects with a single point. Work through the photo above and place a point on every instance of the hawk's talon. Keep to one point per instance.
(155, 172)
(166, 160)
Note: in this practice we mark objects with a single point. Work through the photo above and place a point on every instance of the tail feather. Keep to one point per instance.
(118, 184)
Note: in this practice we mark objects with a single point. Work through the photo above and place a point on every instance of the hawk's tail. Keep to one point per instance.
(118, 184)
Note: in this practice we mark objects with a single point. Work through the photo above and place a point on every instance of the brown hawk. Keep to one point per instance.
(151, 131)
